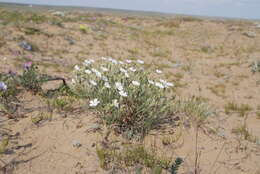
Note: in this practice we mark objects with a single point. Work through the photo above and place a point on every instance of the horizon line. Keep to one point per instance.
(130, 10)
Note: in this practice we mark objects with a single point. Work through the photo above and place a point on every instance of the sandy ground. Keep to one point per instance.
(206, 58)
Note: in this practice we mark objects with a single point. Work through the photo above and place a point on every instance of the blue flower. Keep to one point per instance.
(3, 86)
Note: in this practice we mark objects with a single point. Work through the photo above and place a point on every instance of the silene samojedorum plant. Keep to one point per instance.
(124, 94)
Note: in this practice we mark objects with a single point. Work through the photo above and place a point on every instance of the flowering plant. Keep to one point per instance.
(124, 95)
(8, 92)
(31, 79)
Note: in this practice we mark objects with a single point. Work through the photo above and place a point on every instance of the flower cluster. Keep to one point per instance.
(122, 92)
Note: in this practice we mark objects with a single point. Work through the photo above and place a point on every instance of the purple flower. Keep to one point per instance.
(27, 65)
(3, 86)
(12, 73)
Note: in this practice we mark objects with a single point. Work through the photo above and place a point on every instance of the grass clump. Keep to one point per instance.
(255, 66)
(3, 145)
(195, 108)
(32, 31)
(42, 116)
(62, 103)
(139, 155)
(124, 95)
(131, 156)
(244, 133)
(258, 114)
(242, 109)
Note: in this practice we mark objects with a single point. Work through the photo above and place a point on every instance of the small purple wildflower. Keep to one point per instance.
(12, 73)
(3, 86)
(27, 65)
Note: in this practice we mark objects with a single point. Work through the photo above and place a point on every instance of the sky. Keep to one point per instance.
(221, 8)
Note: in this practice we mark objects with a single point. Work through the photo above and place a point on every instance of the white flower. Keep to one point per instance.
(87, 71)
(126, 75)
(119, 86)
(98, 74)
(123, 70)
(128, 61)
(113, 60)
(107, 85)
(132, 69)
(123, 93)
(76, 68)
(73, 81)
(103, 58)
(140, 61)
(92, 82)
(94, 70)
(151, 82)
(162, 81)
(104, 69)
(158, 71)
(120, 62)
(88, 62)
(166, 84)
(136, 83)
(104, 78)
(94, 103)
(115, 103)
(159, 85)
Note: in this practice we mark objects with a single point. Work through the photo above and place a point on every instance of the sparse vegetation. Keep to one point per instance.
(197, 110)
(258, 114)
(42, 116)
(244, 133)
(3, 145)
(62, 103)
(242, 109)
(12, 84)
(133, 155)
(134, 115)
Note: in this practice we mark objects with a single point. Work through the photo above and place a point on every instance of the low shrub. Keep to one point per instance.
(124, 95)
